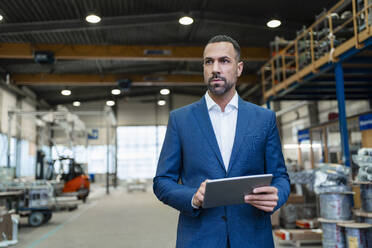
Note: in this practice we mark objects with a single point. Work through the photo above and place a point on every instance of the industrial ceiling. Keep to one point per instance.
(137, 40)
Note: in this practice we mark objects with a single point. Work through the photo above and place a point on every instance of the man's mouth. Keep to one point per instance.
(216, 80)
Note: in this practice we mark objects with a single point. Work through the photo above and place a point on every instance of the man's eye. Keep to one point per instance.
(208, 62)
(225, 61)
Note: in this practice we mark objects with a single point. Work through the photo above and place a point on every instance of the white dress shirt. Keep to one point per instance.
(224, 125)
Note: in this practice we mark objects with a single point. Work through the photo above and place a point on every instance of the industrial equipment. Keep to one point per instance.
(75, 179)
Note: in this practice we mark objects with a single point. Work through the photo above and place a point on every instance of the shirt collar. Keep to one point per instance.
(211, 103)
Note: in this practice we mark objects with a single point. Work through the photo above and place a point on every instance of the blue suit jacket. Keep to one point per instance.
(190, 155)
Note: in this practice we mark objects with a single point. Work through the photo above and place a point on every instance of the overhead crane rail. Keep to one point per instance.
(346, 25)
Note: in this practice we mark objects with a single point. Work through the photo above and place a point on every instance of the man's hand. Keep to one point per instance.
(198, 198)
(264, 198)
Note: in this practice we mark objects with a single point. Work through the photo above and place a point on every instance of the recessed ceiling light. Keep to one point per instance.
(1, 18)
(76, 103)
(186, 20)
(110, 103)
(115, 91)
(164, 92)
(161, 102)
(66, 92)
(274, 23)
(92, 18)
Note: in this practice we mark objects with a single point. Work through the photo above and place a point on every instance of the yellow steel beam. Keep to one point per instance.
(61, 51)
(107, 80)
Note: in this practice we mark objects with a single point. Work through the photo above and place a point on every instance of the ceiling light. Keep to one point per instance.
(92, 18)
(66, 92)
(1, 18)
(110, 103)
(164, 92)
(76, 103)
(274, 23)
(161, 102)
(115, 91)
(186, 20)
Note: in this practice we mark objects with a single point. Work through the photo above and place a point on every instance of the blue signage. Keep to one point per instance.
(93, 135)
(365, 122)
(303, 135)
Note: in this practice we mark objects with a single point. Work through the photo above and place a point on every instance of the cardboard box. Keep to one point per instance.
(295, 199)
(296, 234)
(307, 224)
(356, 196)
(6, 227)
(275, 221)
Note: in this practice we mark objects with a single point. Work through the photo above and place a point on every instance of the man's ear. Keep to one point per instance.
(240, 68)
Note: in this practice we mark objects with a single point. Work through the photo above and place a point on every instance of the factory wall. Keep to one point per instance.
(8, 102)
(291, 122)
(141, 112)
(300, 119)
(23, 152)
(22, 126)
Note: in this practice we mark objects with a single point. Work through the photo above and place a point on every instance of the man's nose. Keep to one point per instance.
(216, 67)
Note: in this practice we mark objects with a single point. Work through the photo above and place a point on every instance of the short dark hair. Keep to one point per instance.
(225, 38)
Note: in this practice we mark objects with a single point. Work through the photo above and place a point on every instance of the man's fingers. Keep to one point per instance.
(263, 197)
(199, 195)
(202, 187)
(202, 190)
(264, 208)
(263, 203)
(198, 199)
(265, 189)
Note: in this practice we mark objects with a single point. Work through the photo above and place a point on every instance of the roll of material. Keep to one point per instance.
(333, 235)
(369, 231)
(366, 197)
(356, 234)
(356, 237)
(336, 206)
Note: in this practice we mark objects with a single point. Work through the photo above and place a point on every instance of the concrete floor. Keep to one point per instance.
(117, 220)
(120, 219)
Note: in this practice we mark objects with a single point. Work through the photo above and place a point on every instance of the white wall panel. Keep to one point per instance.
(28, 126)
(8, 102)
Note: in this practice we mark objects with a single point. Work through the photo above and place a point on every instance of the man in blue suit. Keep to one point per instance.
(217, 137)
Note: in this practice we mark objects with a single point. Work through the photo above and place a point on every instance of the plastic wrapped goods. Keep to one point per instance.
(331, 178)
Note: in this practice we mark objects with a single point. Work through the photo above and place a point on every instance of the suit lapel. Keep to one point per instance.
(239, 132)
(205, 124)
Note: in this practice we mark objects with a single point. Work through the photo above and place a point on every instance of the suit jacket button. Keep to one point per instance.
(224, 218)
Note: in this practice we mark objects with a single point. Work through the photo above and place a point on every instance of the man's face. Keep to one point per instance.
(221, 68)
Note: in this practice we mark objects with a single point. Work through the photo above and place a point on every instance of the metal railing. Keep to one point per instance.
(344, 26)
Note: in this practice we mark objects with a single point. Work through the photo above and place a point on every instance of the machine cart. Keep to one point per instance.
(28, 201)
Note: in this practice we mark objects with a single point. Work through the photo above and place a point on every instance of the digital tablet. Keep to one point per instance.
(229, 191)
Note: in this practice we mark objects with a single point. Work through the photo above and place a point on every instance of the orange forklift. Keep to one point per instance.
(76, 182)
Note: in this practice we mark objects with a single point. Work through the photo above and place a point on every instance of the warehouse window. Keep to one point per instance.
(4, 151)
(138, 150)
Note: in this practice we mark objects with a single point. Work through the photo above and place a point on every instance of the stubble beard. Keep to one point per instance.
(219, 89)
